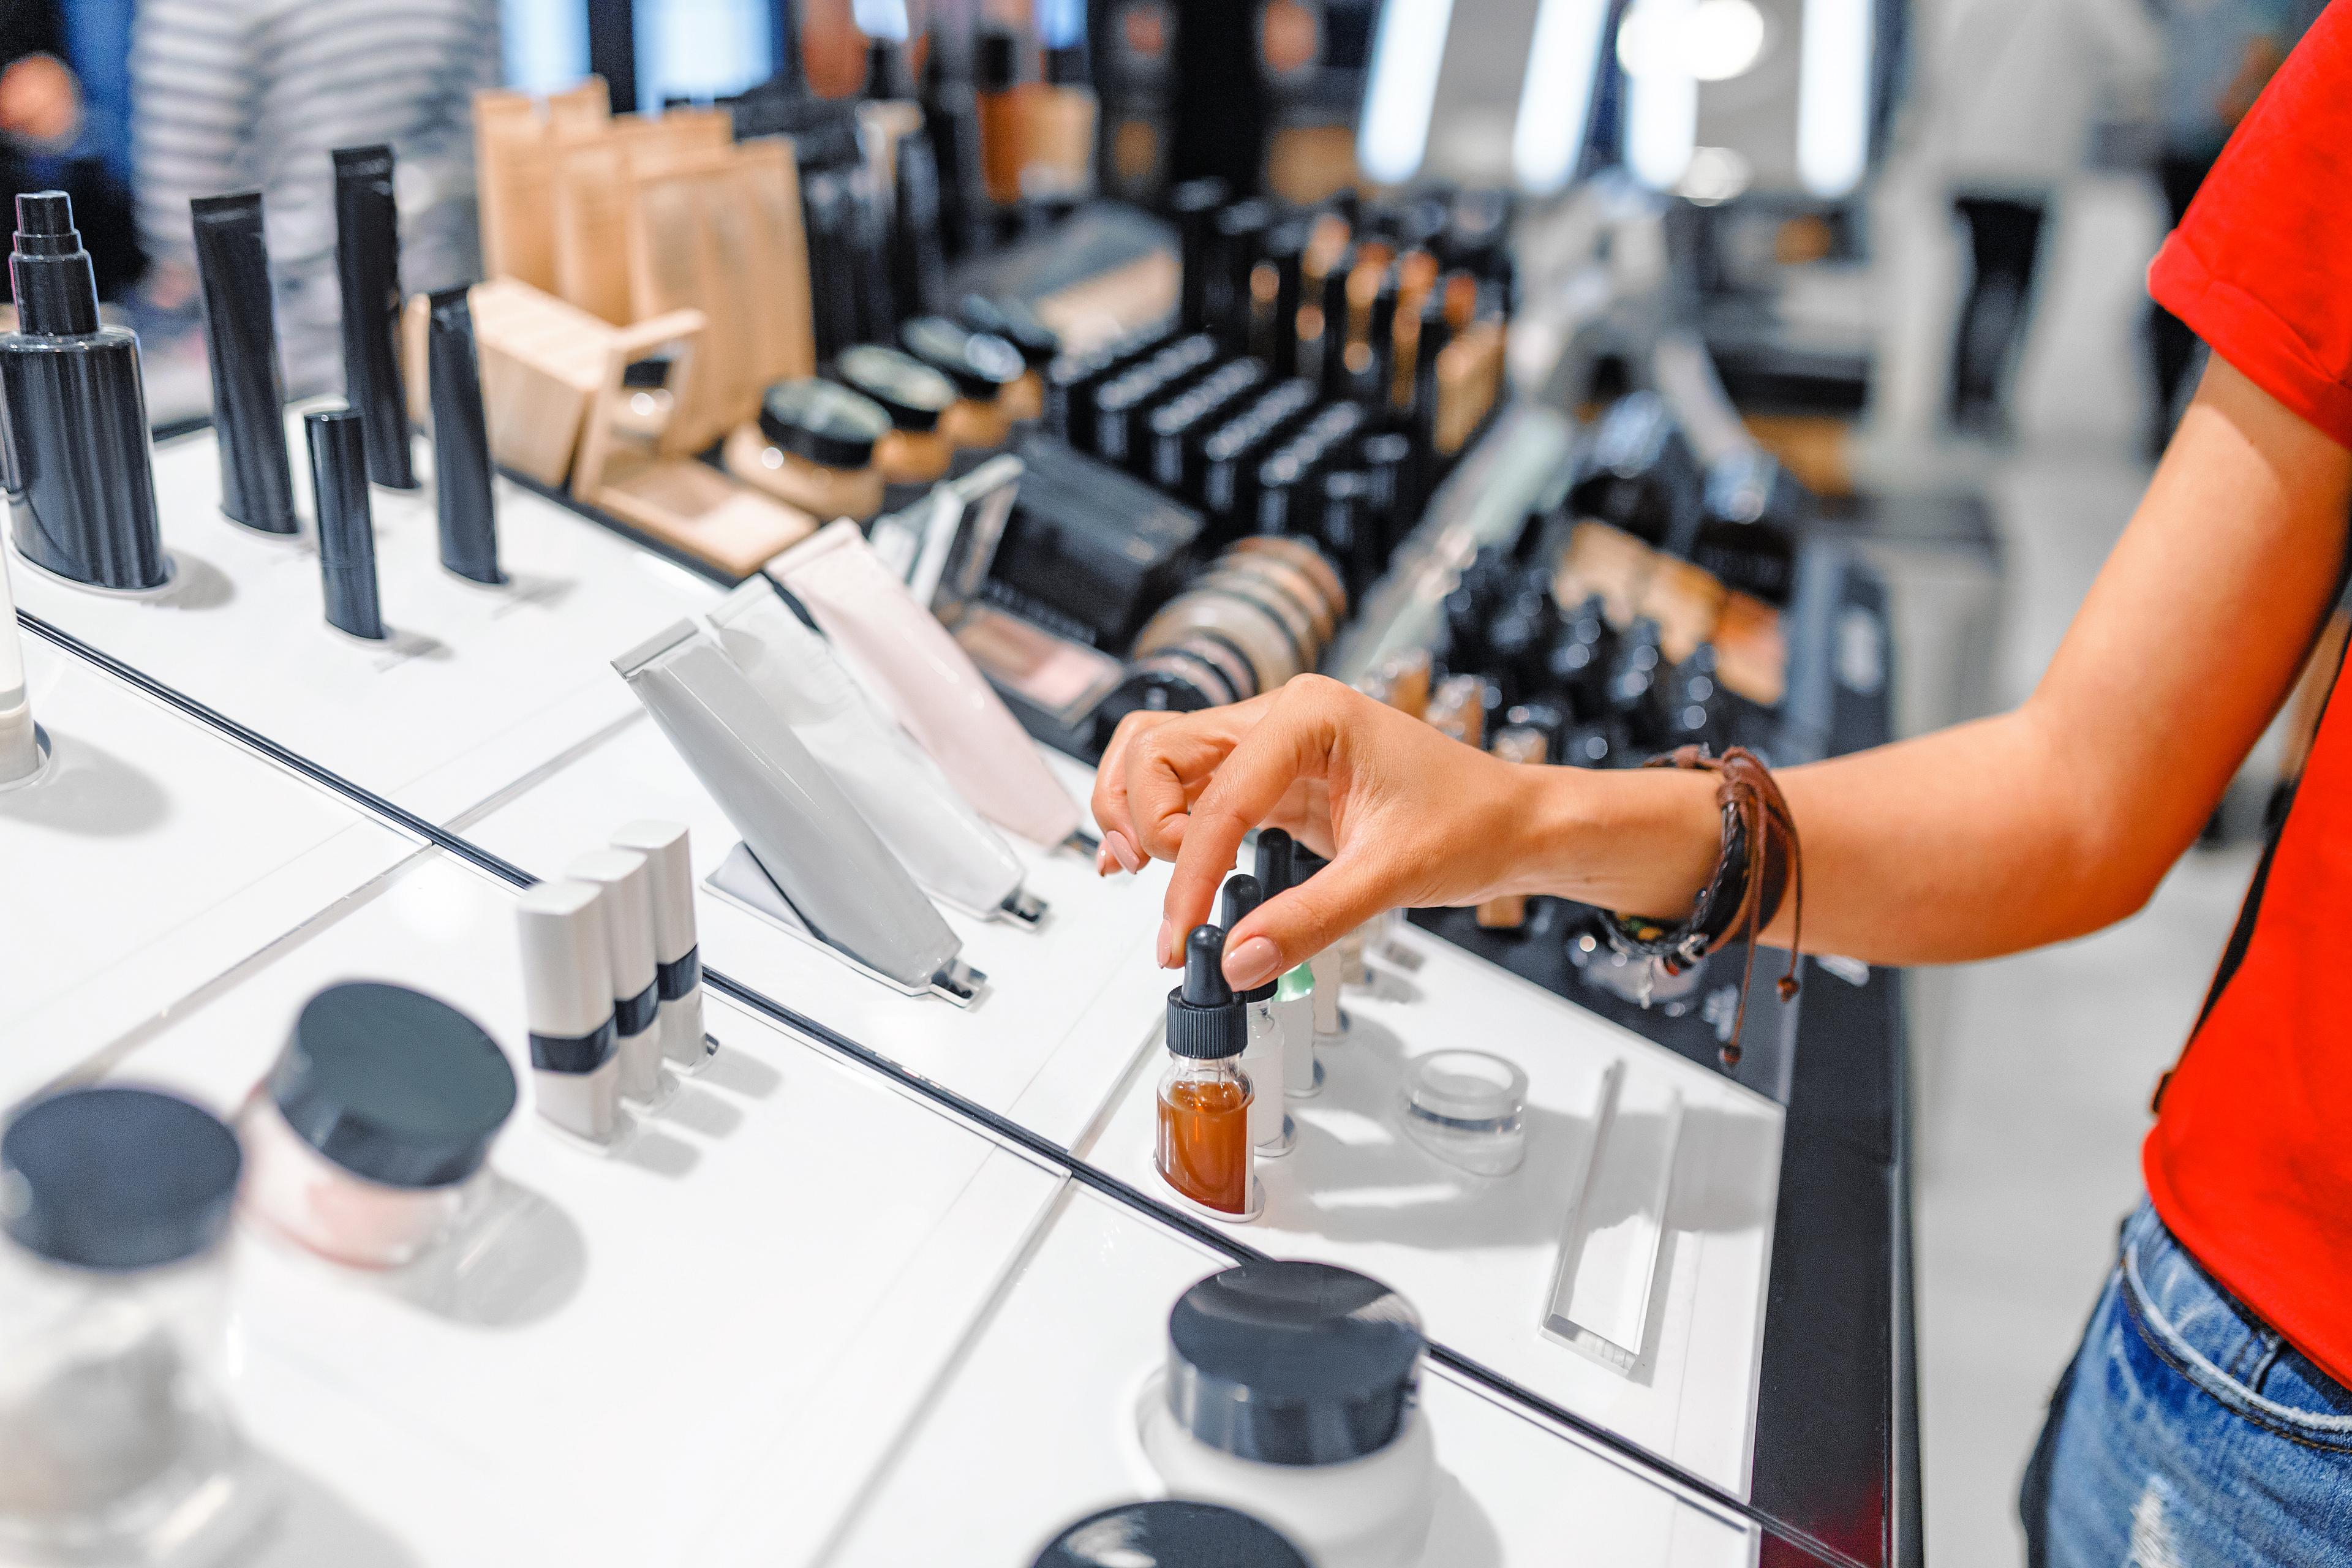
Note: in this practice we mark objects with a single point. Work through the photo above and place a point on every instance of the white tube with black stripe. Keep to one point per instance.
(626, 877)
(677, 958)
(567, 989)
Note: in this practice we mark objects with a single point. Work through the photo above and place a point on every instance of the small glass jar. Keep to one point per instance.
(115, 1445)
(1468, 1109)
(364, 1141)
(914, 451)
(981, 364)
(1291, 1392)
(813, 446)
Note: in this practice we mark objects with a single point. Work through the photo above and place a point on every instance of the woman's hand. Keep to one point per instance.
(1407, 815)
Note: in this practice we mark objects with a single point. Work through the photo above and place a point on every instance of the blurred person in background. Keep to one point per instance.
(2218, 57)
(41, 133)
(243, 95)
(2018, 84)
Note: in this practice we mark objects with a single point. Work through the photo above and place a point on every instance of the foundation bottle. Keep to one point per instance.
(981, 364)
(115, 1443)
(1293, 994)
(1057, 133)
(914, 451)
(363, 1142)
(813, 447)
(1272, 1132)
(1292, 1393)
(1000, 97)
(1203, 1146)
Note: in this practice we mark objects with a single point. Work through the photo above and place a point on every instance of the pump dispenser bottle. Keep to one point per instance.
(81, 497)
(1271, 1131)
(1203, 1149)
(1293, 994)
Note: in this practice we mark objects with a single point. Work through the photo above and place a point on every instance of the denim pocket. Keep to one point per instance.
(2223, 1349)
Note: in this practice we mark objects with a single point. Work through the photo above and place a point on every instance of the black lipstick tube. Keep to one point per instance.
(81, 496)
(339, 489)
(241, 345)
(461, 441)
(367, 265)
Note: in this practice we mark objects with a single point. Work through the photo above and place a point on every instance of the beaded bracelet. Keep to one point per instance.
(1759, 861)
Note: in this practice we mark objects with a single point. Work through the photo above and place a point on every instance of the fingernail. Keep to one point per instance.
(1128, 854)
(1253, 964)
(1167, 960)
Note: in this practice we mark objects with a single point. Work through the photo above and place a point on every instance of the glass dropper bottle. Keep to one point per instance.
(1271, 1131)
(1204, 1144)
(1293, 994)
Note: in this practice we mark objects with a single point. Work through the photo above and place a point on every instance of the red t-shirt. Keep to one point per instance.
(2249, 1161)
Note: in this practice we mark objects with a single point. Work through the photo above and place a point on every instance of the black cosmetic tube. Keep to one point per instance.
(918, 268)
(1331, 369)
(1285, 247)
(1194, 205)
(1241, 231)
(367, 265)
(1380, 334)
(81, 495)
(461, 441)
(339, 489)
(241, 343)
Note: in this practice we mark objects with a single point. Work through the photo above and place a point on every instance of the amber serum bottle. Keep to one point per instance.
(1204, 1147)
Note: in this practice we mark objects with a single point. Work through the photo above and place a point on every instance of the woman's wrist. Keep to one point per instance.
(1641, 841)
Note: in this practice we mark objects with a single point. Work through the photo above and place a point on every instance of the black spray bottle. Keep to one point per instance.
(461, 441)
(338, 487)
(81, 497)
(367, 265)
(241, 343)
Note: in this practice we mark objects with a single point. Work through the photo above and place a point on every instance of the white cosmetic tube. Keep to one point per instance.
(676, 951)
(626, 879)
(567, 991)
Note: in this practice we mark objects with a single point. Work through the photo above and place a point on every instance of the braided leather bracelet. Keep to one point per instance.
(1759, 862)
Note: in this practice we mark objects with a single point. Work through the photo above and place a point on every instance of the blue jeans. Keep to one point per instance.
(2187, 1433)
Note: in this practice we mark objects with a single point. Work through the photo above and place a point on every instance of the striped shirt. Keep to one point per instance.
(239, 95)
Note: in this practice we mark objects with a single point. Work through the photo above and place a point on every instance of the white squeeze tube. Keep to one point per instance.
(901, 790)
(841, 878)
(903, 654)
(20, 750)
(678, 953)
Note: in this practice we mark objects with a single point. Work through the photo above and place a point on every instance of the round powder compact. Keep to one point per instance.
(813, 447)
(982, 365)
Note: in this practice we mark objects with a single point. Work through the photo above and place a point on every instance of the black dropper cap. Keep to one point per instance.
(1205, 1022)
(117, 1178)
(1243, 895)
(393, 1085)
(57, 292)
(1171, 1533)
(1273, 862)
(1292, 1362)
(1193, 206)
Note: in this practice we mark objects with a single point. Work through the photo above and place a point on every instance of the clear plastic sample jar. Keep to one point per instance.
(1291, 1394)
(363, 1143)
(114, 1444)
(1468, 1109)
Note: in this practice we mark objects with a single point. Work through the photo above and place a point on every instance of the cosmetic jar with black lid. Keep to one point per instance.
(364, 1139)
(114, 1437)
(982, 365)
(1290, 1392)
(1169, 1532)
(1038, 344)
(814, 447)
(915, 397)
